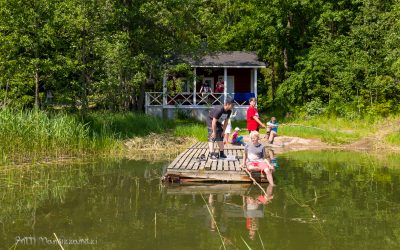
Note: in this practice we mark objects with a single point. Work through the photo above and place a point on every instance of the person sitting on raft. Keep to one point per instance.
(272, 130)
(236, 138)
(255, 158)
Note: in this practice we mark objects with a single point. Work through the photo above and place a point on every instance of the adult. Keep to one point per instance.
(205, 88)
(215, 128)
(254, 158)
(219, 86)
(253, 119)
(205, 91)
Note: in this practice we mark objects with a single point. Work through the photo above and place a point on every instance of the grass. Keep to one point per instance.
(126, 125)
(195, 130)
(393, 138)
(34, 136)
(329, 130)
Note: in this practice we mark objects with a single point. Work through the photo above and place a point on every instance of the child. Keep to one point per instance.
(272, 130)
(228, 129)
(236, 139)
(255, 158)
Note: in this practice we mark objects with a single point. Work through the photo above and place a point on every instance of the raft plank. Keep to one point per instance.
(208, 188)
(214, 165)
(188, 168)
(203, 163)
(182, 159)
(177, 159)
(190, 158)
(235, 176)
(240, 159)
(207, 166)
(200, 163)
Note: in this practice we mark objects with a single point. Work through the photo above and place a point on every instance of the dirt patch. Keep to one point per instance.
(376, 141)
(168, 146)
(289, 143)
(156, 146)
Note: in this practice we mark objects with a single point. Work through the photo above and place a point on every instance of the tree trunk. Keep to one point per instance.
(285, 60)
(273, 83)
(140, 102)
(36, 87)
(287, 42)
(85, 76)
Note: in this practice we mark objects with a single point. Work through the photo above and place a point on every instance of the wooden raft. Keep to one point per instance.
(188, 166)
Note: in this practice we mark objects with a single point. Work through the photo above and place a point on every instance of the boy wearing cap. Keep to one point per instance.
(236, 139)
(215, 128)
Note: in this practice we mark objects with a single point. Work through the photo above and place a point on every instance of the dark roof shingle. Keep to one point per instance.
(229, 59)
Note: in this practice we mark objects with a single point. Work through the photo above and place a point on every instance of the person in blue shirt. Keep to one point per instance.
(272, 130)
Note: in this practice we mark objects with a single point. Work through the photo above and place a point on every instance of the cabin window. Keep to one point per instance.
(186, 85)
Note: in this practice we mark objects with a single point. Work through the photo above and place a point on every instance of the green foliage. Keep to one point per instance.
(125, 124)
(314, 108)
(393, 138)
(194, 130)
(329, 136)
(333, 57)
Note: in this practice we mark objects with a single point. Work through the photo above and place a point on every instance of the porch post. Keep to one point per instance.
(255, 82)
(194, 86)
(225, 82)
(165, 89)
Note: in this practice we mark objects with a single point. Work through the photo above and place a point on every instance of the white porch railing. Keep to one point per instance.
(186, 99)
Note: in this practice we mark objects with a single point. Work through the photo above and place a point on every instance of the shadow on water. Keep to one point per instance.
(323, 200)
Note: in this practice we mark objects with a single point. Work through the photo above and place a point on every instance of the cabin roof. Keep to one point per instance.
(229, 59)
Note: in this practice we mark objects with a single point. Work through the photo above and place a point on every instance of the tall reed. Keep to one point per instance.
(31, 135)
(27, 136)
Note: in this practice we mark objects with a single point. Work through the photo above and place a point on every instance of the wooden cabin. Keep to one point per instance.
(237, 69)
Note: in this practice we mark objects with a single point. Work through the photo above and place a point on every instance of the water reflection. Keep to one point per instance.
(321, 201)
(251, 209)
(225, 204)
(254, 209)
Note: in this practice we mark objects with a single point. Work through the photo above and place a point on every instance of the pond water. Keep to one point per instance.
(323, 200)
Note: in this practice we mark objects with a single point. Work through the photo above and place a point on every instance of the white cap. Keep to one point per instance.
(237, 129)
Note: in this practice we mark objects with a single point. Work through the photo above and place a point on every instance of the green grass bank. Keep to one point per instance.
(35, 136)
(32, 136)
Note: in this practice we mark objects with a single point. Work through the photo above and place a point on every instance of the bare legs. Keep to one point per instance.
(264, 167)
(211, 146)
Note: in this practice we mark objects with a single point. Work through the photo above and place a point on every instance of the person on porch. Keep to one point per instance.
(215, 128)
(205, 88)
(219, 86)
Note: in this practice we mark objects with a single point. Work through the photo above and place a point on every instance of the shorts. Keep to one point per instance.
(258, 130)
(218, 135)
(257, 166)
(228, 129)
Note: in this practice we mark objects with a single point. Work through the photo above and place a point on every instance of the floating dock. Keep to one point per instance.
(190, 166)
